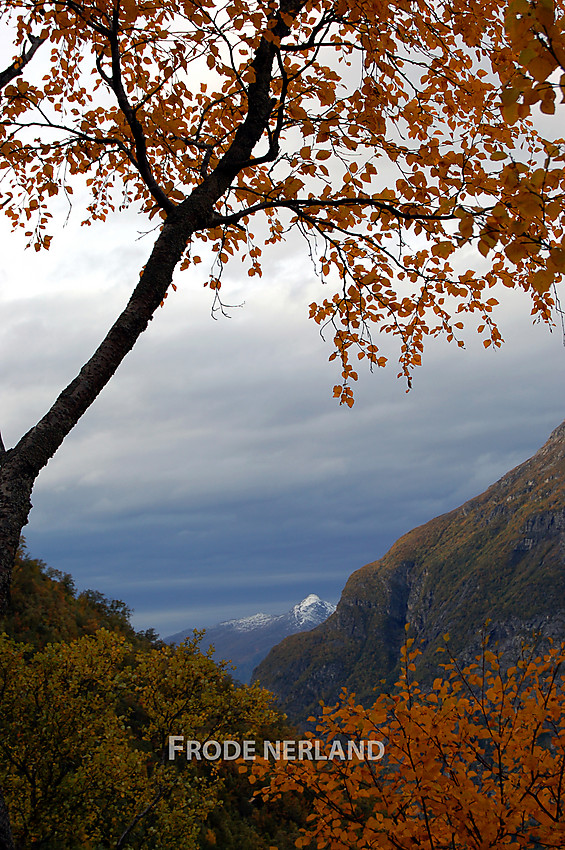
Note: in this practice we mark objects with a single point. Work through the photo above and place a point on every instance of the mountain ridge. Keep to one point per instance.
(500, 555)
(246, 640)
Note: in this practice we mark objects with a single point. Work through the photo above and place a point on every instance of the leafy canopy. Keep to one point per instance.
(391, 135)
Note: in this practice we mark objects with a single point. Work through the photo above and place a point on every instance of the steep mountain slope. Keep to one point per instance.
(245, 642)
(500, 555)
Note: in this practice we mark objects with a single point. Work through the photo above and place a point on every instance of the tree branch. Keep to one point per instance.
(140, 160)
(16, 68)
(260, 104)
(139, 817)
(297, 204)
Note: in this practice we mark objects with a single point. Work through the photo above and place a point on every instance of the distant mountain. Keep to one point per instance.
(500, 555)
(246, 641)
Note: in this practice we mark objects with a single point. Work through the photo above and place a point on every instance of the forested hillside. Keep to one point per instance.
(46, 607)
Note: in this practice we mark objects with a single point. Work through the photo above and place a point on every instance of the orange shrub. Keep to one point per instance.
(477, 762)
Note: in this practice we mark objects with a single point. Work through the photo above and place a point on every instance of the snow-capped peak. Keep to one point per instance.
(311, 599)
(247, 640)
(303, 616)
(312, 610)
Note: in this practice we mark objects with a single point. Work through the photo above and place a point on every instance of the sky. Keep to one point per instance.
(216, 476)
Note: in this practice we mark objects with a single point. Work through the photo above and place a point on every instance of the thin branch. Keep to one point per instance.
(137, 818)
(79, 12)
(140, 160)
(323, 25)
(297, 204)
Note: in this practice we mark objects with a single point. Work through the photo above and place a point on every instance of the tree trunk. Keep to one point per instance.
(6, 840)
(20, 466)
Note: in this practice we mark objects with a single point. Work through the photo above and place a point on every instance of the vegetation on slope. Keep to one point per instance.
(46, 608)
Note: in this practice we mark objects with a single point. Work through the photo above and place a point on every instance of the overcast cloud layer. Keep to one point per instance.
(216, 476)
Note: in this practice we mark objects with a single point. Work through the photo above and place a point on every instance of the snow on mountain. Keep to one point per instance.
(248, 624)
(311, 610)
(247, 640)
(304, 615)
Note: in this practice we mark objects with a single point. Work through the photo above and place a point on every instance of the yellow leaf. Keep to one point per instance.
(541, 67)
(483, 247)
(443, 249)
(510, 113)
(557, 258)
(466, 225)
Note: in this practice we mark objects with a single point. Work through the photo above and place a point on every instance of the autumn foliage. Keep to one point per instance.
(396, 138)
(393, 137)
(84, 730)
(536, 34)
(390, 135)
(478, 762)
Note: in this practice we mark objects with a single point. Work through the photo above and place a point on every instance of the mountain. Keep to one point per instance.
(246, 641)
(500, 556)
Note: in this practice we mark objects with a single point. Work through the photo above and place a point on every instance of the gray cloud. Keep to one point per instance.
(216, 476)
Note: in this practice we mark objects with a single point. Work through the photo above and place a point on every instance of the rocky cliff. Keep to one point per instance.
(500, 556)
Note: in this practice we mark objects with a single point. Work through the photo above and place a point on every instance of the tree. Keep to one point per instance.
(86, 706)
(476, 762)
(84, 741)
(374, 129)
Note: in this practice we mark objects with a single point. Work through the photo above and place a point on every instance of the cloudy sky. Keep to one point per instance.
(216, 476)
